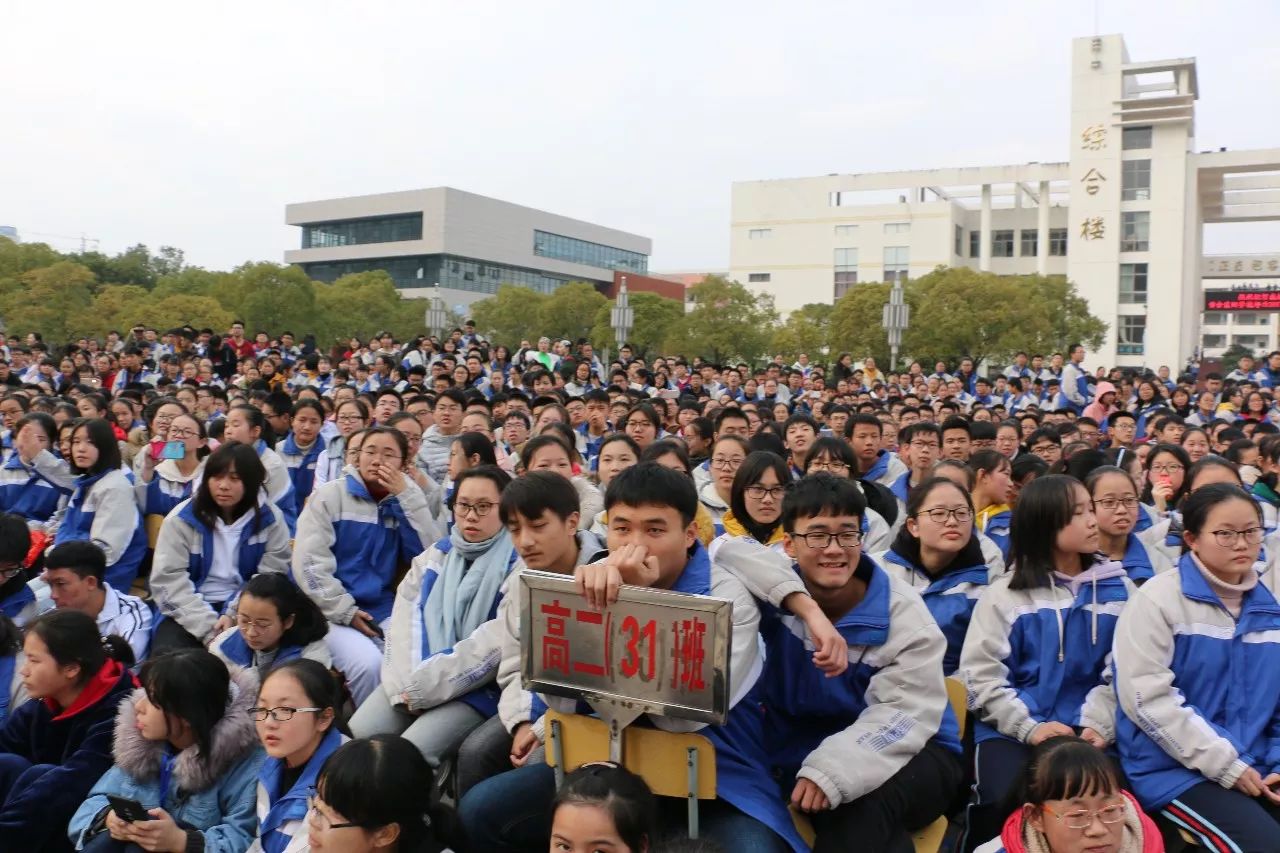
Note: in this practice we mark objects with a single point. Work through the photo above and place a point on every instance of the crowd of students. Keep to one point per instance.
(257, 596)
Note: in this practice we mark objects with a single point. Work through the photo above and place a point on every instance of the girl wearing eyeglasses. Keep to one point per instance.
(186, 750)
(352, 536)
(274, 622)
(1035, 659)
(755, 506)
(297, 721)
(164, 483)
(1197, 662)
(1165, 535)
(350, 416)
(1166, 466)
(727, 455)
(1073, 801)
(938, 554)
(1115, 503)
(450, 592)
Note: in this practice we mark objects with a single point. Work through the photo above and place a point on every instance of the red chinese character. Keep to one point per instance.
(688, 653)
(634, 637)
(555, 645)
(592, 617)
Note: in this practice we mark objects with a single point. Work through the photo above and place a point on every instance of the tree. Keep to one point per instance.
(17, 258)
(115, 307)
(653, 318)
(1069, 318)
(362, 304)
(856, 325)
(275, 298)
(728, 321)
(511, 315)
(807, 330)
(189, 281)
(1234, 353)
(180, 310)
(47, 300)
(569, 312)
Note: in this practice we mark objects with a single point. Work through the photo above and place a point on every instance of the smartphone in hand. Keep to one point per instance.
(127, 809)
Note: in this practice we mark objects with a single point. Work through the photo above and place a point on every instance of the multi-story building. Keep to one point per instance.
(1122, 217)
(468, 244)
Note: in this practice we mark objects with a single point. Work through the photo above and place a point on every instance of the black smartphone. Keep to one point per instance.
(128, 810)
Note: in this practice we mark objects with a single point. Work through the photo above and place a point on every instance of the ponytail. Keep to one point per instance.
(72, 638)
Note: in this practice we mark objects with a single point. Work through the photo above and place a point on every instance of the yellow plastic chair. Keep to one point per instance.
(672, 764)
(152, 523)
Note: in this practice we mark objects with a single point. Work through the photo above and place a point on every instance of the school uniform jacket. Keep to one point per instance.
(348, 547)
(102, 510)
(1036, 655)
(887, 470)
(279, 484)
(231, 648)
(35, 492)
(184, 558)
(302, 464)
(1141, 562)
(411, 667)
(1199, 691)
(282, 815)
(168, 488)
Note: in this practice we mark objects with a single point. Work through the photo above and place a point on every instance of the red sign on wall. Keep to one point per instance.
(1242, 300)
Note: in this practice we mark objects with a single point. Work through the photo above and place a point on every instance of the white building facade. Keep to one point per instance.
(1122, 218)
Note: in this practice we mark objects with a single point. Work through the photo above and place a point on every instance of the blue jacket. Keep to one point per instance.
(163, 493)
(103, 510)
(301, 464)
(76, 742)
(213, 794)
(997, 530)
(282, 815)
(24, 492)
(1141, 563)
(1199, 690)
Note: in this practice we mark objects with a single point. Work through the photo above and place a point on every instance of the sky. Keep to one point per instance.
(193, 125)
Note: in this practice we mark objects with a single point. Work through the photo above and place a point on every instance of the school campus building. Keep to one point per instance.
(1122, 217)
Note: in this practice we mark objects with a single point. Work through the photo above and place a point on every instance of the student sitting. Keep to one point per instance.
(186, 750)
(102, 508)
(1197, 663)
(755, 504)
(874, 753)
(1035, 661)
(165, 481)
(1073, 800)
(22, 598)
(54, 747)
(602, 806)
(297, 721)
(653, 542)
(302, 450)
(352, 536)
(1115, 502)
(34, 482)
(993, 495)
(12, 691)
(275, 622)
(211, 544)
(434, 692)
(938, 554)
(75, 574)
(379, 796)
(248, 425)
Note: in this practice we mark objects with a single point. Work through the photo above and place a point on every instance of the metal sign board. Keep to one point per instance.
(1240, 266)
(652, 651)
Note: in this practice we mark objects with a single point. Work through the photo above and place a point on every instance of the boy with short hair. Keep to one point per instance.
(76, 574)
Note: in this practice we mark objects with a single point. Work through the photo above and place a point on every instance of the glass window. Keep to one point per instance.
(846, 230)
(759, 277)
(1135, 138)
(561, 248)
(896, 261)
(1135, 231)
(1133, 284)
(1213, 341)
(1058, 242)
(355, 232)
(759, 233)
(959, 241)
(846, 270)
(1030, 238)
(897, 228)
(1213, 318)
(1132, 332)
(844, 286)
(975, 244)
(1002, 244)
(1136, 180)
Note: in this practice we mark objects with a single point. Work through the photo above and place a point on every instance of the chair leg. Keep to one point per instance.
(557, 752)
(691, 762)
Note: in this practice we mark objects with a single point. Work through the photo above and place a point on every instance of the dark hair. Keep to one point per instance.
(1081, 462)
(954, 422)
(383, 780)
(103, 437)
(1196, 507)
(613, 438)
(750, 472)
(309, 403)
(309, 624)
(650, 484)
(192, 685)
(1205, 464)
(475, 444)
(729, 412)
(1027, 464)
(72, 638)
(921, 493)
(667, 446)
(1236, 449)
(1045, 507)
(537, 492)
(401, 440)
(619, 792)
(15, 539)
(81, 556)
(988, 461)
(256, 419)
(962, 467)
(500, 479)
(1063, 768)
(835, 449)
(318, 683)
(1096, 475)
(10, 637)
(567, 437)
(40, 419)
(863, 419)
(815, 495)
(537, 443)
(232, 456)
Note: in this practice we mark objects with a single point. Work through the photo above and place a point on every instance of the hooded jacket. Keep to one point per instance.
(433, 456)
(1041, 654)
(34, 492)
(104, 511)
(76, 741)
(168, 488)
(1141, 835)
(215, 796)
(1096, 409)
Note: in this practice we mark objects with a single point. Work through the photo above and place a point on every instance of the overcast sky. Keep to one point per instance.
(193, 125)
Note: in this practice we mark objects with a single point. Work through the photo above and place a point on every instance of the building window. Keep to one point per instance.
(1132, 332)
(451, 272)
(1135, 231)
(975, 244)
(896, 260)
(573, 250)
(1213, 341)
(1030, 242)
(355, 232)
(959, 241)
(897, 228)
(1002, 244)
(1058, 242)
(759, 233)
(1135, 180)
(1135, 138)
(1133, 284)
(1251, 318)
(846, 230)
(759, 277)
(846, 270)
(1254, 342)
(1213, 318)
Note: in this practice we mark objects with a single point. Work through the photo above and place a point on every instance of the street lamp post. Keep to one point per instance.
(621, 316)
(896, 319)
(436, 316)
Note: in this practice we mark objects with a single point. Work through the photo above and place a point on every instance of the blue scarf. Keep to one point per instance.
(462, 598)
